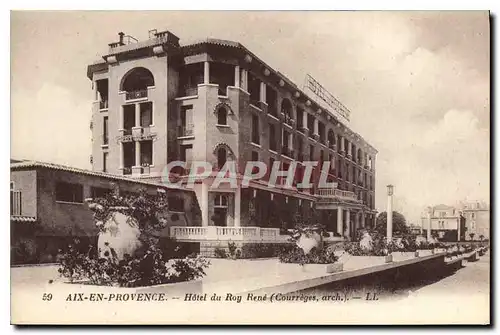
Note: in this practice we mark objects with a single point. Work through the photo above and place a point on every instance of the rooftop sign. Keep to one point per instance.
(315, 87)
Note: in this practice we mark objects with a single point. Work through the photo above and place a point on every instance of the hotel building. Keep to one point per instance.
(158, 101)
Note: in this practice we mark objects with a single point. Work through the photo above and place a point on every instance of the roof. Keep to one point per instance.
(442, 206)
(225, 43)
(36, 164)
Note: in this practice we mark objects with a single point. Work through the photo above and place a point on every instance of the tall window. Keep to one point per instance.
(220, 210)
(221, 157)
(146, 153)
(272, 137)
(300, 119)
(105, 162)
(68, 192)
(255, 129)
(222, 116)
(105, 137)
(311, 152)
(146, 110)
(253, 89)
(186, 116)
(272, 101)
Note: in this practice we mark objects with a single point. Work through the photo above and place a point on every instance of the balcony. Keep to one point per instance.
(186, 130)
(127, 170)
(15, 203)
(214, 233)
(103, 105)
(134, 95)
(336, 193)
(287, 152)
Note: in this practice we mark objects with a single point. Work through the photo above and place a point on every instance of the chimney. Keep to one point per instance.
(121, 34)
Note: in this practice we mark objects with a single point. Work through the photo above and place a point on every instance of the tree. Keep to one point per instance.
(471, 235)
(481, 237)
(399, 226)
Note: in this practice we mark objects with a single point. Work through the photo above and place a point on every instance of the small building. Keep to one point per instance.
(48, 208)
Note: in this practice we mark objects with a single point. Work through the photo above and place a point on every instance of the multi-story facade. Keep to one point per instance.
(215, 101)
(463, 220)
(477, 216)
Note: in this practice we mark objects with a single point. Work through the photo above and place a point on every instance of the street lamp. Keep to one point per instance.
(390, 192)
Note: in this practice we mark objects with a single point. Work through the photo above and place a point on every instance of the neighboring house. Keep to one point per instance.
(48, 207)
(464, 219)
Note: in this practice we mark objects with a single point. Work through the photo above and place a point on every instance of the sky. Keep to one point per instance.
(417, 85)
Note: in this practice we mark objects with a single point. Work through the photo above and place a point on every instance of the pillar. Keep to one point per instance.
(348, 222)
(263, 92)
(340, 228)
(237, 76)
(429, 222)
(244, 80)
(237, 208)
(316, 126)
(363, 219)
(349, 148)
(390, 191)
(121, 125)
(206, 72)
(137, 115)
(204, 205)
(121, 154)
(304, 119)
(137, 153)
(342, 144)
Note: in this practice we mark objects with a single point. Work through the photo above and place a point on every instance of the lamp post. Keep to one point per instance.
(390, 192)
(429, 222)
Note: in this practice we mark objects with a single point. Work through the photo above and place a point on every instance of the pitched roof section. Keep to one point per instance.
(52, 166)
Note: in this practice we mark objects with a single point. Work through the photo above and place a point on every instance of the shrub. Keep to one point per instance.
(149, 269)
(231, 246)
(293, 254)
(260, 250)
(220, 252)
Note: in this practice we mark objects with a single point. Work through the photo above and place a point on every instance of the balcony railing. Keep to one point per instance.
(15, 203)
(186, 130)
(215, 233)
(139, 94)
(103, 104)
(336, 193)
(127, 170)
(287, 152)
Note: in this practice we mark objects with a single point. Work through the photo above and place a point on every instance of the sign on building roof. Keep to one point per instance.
(332, 104)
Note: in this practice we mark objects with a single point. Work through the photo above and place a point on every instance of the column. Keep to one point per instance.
(263, 92)
(342, 144)
(290, 141)
(304, 119)
(244, 80)
(316, 126)
(340, 228)
(363, 219)
(237, 76)
(137, 115)
(365, 160)
(204, 204)
(121, 154)
(390, 190)
(121, 125)
(237, 207)
(349, 148)
(137, 153)
(206, 72)
(348, 223)
(429, 222)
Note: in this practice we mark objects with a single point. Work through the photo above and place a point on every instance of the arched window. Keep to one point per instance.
(221, 157)
(137, 79)
(222, 116)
